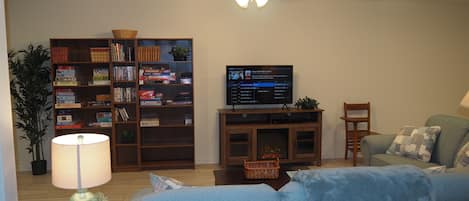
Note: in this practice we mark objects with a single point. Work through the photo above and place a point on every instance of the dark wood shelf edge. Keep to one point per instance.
(168, 164)
(126, 145)
(163, 146)
(86, 128)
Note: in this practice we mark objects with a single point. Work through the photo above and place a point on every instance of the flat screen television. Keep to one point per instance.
(259, 84)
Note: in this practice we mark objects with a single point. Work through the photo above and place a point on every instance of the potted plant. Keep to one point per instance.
(307, 103)
(30, 88)
(179, 53)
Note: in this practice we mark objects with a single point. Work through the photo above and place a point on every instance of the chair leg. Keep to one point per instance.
(346, 148)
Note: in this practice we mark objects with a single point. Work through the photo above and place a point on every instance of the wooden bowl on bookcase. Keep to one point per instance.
(124, 33)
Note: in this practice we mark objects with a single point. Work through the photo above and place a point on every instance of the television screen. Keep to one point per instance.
(246, 85)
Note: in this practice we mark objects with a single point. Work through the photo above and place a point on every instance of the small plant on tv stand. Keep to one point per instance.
(306, 103)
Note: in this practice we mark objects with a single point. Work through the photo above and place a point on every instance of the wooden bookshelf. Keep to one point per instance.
(168, 144)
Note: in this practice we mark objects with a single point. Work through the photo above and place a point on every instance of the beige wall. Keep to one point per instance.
(409, 58)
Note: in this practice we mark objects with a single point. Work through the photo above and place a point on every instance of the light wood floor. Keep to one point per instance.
(124, 184)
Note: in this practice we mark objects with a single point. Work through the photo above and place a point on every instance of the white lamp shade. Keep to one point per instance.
(243, 3)
(261, 3)
(465, 101)
(95, 161)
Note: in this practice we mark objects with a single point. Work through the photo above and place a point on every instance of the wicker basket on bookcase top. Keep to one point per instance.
(124, 33)
(265, 169)
(99, 54)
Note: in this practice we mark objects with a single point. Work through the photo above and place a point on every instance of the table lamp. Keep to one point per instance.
(465, 101)
(81, 161)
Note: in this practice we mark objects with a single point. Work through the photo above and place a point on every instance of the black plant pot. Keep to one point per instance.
(180, 58)
(39, 167)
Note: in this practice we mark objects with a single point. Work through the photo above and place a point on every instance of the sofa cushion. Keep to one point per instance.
(254, 192)
(387, 159)
(394, 183)
(453, 131)
(462, 158)
(416, 143)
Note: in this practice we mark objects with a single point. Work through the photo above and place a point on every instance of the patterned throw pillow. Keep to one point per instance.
(416, 145)
(462, 159)
(402, 138)
(162, 183)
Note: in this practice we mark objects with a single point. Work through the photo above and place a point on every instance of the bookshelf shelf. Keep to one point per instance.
(125, 81)
(124, 103)
(126, 145)
(119, 65)
(166, 146)
(78, 62)
(167, 106)
(82, 86)
(85, 128)
(166, 62)
(171, 126)
(167, 85)
(125, 122)
(96, 107)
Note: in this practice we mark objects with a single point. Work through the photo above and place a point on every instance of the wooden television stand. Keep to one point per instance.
(293, 135)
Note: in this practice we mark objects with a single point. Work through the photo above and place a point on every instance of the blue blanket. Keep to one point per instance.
(392, 183)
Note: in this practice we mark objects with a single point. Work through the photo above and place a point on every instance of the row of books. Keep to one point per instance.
(122, 113)
(124, 73)
(65, 96)
(149, 120)
(121, 53)
(100, 76)
(149, 97)
(65, 120)
(65, 76)
(148, 54)
(156, 74)
(124, 94)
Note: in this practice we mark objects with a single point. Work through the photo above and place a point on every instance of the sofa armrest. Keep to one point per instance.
(450, 186)
(375, 144)
(461, 170)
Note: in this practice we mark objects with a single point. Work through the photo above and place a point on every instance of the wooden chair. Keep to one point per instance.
(357, 126)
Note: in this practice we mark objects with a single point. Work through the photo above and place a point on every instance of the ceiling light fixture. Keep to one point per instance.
(245, 3)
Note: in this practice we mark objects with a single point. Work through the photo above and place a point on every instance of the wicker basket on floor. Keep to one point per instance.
(265, 169)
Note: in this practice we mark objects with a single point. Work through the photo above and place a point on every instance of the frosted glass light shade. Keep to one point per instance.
(261, 3)
(465, 101)
(95, 161)
(243, 3)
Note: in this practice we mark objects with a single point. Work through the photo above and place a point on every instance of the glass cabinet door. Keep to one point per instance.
(239, 144)
(305, 142)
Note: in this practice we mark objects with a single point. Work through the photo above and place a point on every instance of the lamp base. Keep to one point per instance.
(82, 195)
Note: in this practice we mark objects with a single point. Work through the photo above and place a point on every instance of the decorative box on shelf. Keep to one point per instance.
(59, 54)
(264, 169)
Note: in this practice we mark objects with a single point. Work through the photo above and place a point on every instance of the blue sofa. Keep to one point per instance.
(454, 134)
(392, 183)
